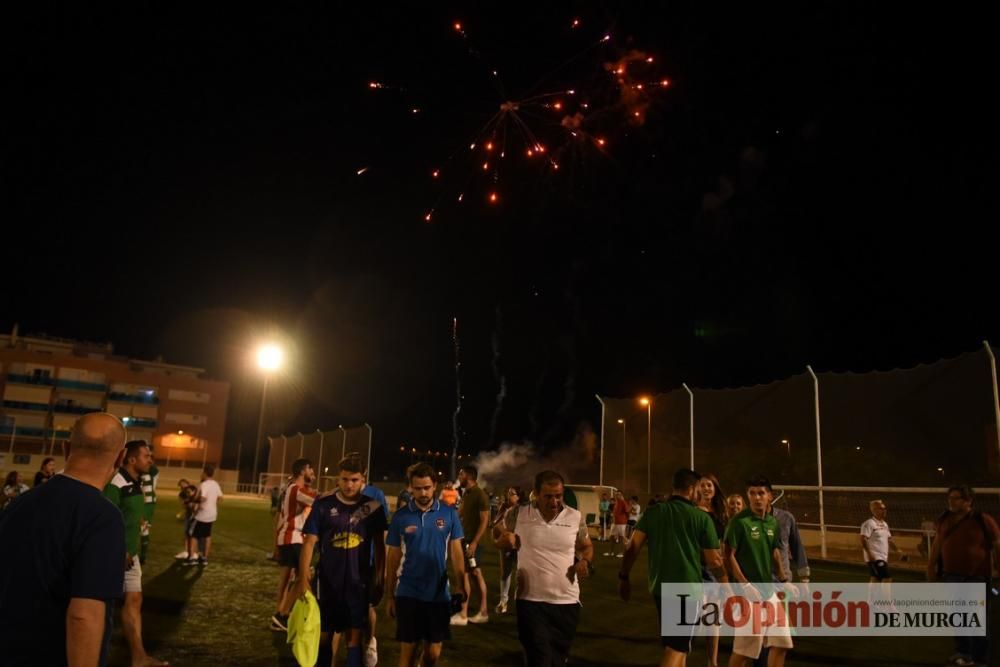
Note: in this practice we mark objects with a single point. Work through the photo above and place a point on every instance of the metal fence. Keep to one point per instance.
(926, 427)
(323, 448)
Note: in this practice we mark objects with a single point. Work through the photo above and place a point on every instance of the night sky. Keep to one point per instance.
(815, 186)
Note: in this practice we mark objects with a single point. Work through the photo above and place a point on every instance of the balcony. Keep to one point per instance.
(82, 386)
(74, 409)
(22, 405)
(43, 380)
(25, 431)
(138, 422)
(33, 432)
(133, 398)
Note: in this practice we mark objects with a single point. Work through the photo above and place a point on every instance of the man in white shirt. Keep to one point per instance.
(876, 540)
(209, 497)
(554, 552)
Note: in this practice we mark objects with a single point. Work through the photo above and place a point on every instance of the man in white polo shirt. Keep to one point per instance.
(876, 540)
(554, 552)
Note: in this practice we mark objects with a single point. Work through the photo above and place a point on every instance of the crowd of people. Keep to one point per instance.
(87, 556)
(14, 485)
(696, 534)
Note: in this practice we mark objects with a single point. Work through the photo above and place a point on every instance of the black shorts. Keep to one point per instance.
(201, 529)
(546, 631)
(631, 523)
(417, 620)
(679, 643)
(879, 569)
(288, 555)
(339, 612)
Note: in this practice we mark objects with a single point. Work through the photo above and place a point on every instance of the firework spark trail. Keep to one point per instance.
(541, 125)
(498, 375)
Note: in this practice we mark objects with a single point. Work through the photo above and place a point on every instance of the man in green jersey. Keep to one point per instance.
(752, 549)
(680, 536)
(148, 482)
(125, 492)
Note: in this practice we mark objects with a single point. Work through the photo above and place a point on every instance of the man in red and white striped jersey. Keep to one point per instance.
(294, 511)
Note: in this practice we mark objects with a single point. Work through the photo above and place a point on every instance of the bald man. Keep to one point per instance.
(61, 561)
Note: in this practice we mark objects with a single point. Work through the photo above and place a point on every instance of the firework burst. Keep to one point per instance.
(534, 135)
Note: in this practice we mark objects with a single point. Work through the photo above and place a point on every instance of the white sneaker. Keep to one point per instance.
(183, 555)
(607, 553)
(620, 556)
(371, 653)
(479, 618)
(458, 619)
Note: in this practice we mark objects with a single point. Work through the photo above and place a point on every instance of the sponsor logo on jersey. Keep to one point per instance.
(346, 540)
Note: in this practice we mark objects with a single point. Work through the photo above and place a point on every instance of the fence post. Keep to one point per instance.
(996, 394)
(368, 466)
(819, 464)
(600, 474)
(270, 461)
(284, 455)
(319, 463)
(690, 418)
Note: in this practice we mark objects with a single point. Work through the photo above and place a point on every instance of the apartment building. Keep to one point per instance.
(47, 383)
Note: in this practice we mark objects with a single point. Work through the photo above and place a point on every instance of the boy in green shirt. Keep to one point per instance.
(752, 548)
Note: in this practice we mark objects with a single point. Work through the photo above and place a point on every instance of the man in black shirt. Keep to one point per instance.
(61, 564)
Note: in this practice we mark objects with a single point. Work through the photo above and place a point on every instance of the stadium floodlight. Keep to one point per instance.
(270, 357)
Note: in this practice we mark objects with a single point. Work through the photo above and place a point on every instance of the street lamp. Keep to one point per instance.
(648, 404)
(624, 452)
(270, 357)
(788, 446)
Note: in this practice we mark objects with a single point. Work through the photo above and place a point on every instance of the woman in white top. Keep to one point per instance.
(634, 512)
(13, 487)
(508, 557)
